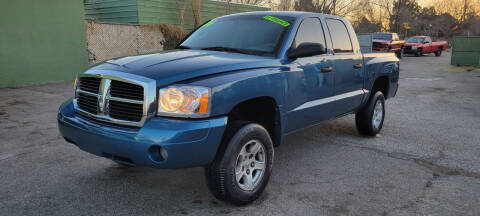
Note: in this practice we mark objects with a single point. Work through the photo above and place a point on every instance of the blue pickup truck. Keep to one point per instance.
(227, 95)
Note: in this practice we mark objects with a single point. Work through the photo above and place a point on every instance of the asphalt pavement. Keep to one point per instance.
(426, 161)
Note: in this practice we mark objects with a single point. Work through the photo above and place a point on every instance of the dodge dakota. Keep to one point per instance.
(227, 95)
(420, 45)
(389, 42)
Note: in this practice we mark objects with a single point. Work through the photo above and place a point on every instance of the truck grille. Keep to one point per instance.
(110, 100)
(126, 90)
(125, 111)
(88, 103)
(89, 84)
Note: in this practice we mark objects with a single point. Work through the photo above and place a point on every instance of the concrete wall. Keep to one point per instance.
(41, 41)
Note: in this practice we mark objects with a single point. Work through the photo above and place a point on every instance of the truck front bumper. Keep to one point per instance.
(160, 143)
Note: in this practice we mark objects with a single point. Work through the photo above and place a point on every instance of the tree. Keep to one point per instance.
(366, 26)
(335, 7)
(404, 11)
(196, 12)
(285, 5)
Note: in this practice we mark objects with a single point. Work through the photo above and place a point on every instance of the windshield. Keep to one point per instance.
(415, 40)
(382, 36)
(251, 34)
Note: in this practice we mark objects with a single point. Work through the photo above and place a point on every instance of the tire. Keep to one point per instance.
(400, 54)
(438, 53)
(237, 155)
(418, 53)
(125, 165)
(369, 119)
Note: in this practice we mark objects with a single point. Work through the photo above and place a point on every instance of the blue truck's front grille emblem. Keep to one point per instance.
(103, 96)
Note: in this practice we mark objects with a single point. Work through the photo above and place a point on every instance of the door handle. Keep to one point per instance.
(327, 69)
(357, 66)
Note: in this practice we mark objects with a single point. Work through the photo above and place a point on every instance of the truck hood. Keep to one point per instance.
(177, 65)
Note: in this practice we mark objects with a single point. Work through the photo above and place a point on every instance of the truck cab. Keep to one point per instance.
(419, 45)
(229, 94)
(388, 42)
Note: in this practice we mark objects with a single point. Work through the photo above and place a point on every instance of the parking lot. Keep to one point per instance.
(425, 162)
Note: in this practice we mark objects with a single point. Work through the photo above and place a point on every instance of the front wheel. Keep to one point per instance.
(242, 167)
(418, 53)
(400, 53)
(369, 119)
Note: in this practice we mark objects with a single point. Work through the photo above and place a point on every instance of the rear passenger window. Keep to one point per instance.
(340, 36)
(311, 31)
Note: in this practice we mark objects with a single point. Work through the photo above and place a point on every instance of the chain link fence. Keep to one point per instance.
(107, 41)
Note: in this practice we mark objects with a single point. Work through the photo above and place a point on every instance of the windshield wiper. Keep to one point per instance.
(182, 47)
(226, 49)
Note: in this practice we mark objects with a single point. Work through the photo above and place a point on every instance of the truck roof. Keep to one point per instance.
(295, 14)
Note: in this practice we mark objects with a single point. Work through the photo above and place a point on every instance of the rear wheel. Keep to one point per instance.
(438, 52)
(369, 119)
(242, 167)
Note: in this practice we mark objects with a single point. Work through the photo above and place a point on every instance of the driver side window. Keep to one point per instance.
(427, 40)
(310, 31)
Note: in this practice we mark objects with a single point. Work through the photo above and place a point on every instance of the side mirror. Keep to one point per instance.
(306, 49)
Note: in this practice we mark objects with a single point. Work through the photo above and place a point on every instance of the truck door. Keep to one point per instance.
(349, 75)
(318, 79)
(427, 45)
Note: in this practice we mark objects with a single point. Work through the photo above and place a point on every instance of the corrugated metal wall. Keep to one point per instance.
(158, 11)
(466, 51)
(167, 11)
(112, 11)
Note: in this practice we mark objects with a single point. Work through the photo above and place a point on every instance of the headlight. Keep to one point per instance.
(184, 101)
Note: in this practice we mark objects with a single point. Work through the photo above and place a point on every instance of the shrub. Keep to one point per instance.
(173, 35)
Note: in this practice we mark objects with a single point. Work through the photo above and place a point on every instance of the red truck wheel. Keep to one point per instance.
(400, 53)
(419, 53)
(438, 52)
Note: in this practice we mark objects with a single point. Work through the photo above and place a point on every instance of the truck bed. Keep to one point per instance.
(369, 56)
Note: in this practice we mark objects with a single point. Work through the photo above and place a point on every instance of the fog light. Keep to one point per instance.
(157, 153)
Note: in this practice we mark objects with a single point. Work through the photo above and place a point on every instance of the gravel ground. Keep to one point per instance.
(425, 162)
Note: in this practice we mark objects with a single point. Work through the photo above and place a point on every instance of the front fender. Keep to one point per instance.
(232, 88)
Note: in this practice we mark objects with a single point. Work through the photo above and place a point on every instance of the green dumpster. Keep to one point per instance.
(466, 51)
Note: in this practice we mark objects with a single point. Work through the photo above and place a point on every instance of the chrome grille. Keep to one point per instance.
(114, 99)
(89, 84)
(88, 103)
(126, 90)
(125, 111)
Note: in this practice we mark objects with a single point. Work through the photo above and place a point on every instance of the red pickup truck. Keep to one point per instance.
(420, 45)
(389, 42)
